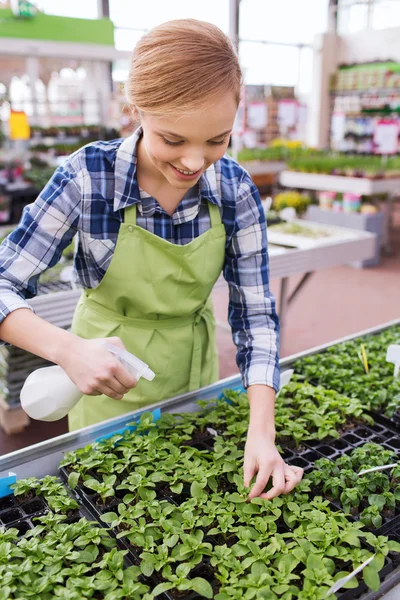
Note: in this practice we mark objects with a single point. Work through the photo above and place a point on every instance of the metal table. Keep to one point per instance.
(340, 248)
(43, 458)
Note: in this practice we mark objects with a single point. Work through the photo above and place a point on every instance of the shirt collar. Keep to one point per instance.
(187, 210)
(126, 192)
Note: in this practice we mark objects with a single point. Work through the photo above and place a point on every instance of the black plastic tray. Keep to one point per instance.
(306, 457)
(13, 512)
(22, 514)
(390, 423)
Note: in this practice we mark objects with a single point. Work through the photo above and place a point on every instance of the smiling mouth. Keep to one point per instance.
(185, 172)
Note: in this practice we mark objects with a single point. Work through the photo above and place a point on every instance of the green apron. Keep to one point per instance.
(155, 296)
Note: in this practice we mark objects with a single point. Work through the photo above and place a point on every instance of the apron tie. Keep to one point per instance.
(205, 313)
(195, 368)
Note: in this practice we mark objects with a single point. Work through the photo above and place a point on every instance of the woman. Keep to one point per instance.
(158, 216)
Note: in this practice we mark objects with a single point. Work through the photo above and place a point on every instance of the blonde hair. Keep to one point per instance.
(182, 64)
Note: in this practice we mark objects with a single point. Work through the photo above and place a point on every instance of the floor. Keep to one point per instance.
(334, 303)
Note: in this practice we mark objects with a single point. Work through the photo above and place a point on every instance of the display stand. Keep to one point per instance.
(285, 259)
(354, 185)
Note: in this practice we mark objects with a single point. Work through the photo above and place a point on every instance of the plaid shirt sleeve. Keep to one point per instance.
(252, 311)
(46, 228)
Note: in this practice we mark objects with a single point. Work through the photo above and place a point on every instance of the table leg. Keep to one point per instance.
(283, 306)
(387, 247)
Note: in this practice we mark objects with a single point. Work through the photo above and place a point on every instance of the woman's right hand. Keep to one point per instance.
(94, 369)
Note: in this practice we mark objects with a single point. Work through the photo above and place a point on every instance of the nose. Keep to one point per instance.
(192, 162)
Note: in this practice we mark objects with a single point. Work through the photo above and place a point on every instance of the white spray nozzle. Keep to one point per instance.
(284, 379)
(393, 356)
(132, 363)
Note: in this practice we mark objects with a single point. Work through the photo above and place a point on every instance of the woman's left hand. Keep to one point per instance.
(262, 459)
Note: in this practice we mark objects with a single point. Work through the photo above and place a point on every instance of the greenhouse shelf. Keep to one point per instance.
(339, 183)
(354, 185)
(44, 458)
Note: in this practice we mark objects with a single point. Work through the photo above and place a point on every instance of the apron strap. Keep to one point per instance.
(205, 314)
(130, 215)
(215, 215)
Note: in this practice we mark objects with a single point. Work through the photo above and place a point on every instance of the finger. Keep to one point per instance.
(116, 341)
(297, 470)
(92, 393)
(124, 378)
(261, 481)
(108, 391)
(117, 386)
(291, 480)
(293, 476)
(278, 482)
(249, 469)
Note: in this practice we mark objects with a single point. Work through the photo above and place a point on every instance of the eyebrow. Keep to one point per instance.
(182, 138)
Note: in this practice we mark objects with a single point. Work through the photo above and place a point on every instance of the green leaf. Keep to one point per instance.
(109, 517)
(378, 562)
(172, 541)
(350, 585)
(287, 563)
(352, 538)
(202, 587)
(88, 555)
(314, 562)
(162, 587)
(316, 535)
(251, 509)
(5, 593)
(177, 488)
(239, 550)
(236, 498)
(393, 546)
(73, 479)
(258, 568)
(280, 589)
(371, 578)
(147, 568)
(196, 490)
(92, 483)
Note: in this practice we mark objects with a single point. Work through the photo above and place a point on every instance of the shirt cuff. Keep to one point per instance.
(263, 374)
(11, 301)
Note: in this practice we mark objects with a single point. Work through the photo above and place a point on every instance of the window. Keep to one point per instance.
(269, 63)
(385, 14)
(289, 21)
(139, 16)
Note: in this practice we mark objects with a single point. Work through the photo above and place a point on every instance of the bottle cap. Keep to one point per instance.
(149, 374)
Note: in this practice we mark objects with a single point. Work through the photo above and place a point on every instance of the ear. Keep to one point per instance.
(135, 114)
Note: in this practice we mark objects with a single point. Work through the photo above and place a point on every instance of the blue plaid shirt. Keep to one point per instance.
(87, 196)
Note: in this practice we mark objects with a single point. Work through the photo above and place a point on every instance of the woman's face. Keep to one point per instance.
(179, 149)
